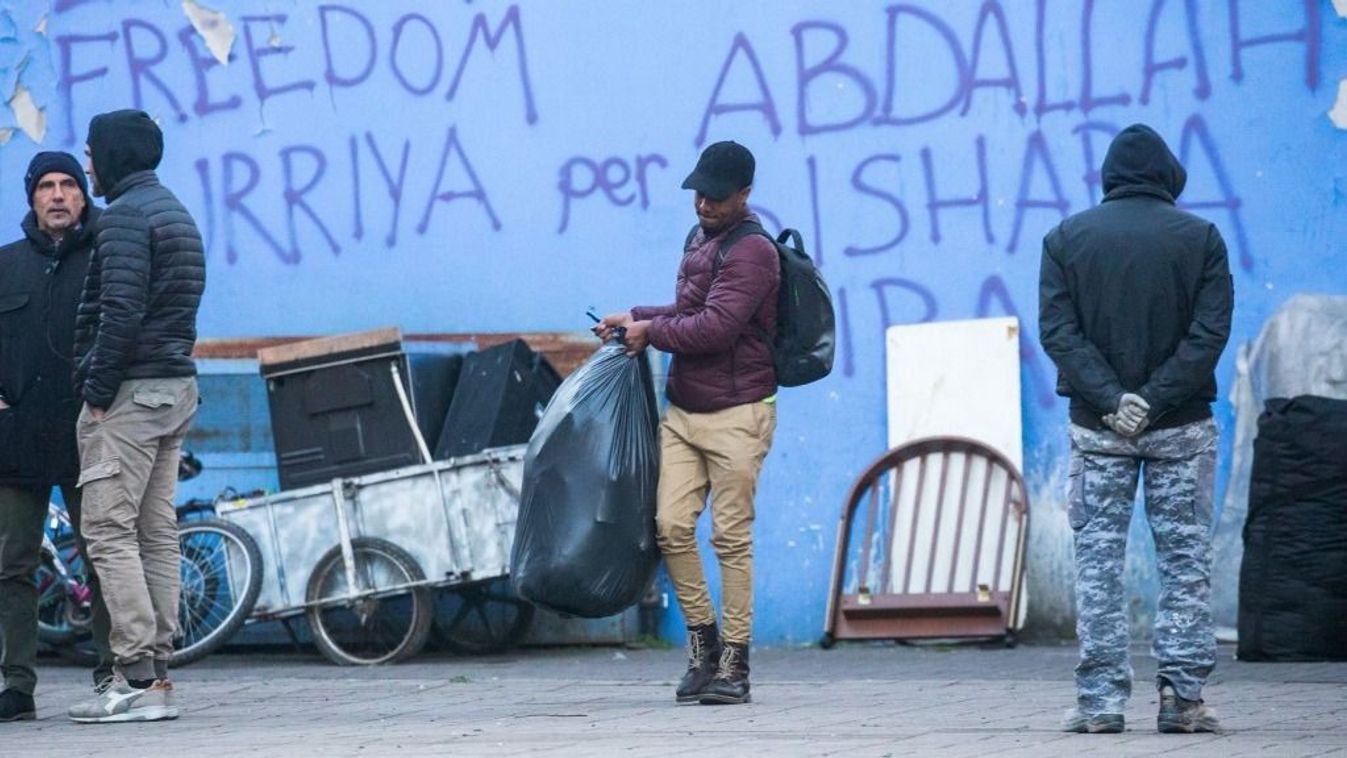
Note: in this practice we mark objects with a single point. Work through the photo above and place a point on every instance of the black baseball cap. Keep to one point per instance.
(723, 169)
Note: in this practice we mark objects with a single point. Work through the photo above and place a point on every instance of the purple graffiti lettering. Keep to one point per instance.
(142, 67)
(995, 292)
(393, 184)
(436, 70)
(643, 162)
(1202, 90)
(478, 192)
(568, 188)
(1093, 181)
(62, 6)
(991, 11)
(1311, 35)
(925, 302)
(357, 216)
(766, 105)
(610, 176)
(1036, 153)
(202, 166)
(201, 63)
(493, 40)
(1041, 104)
(845, 339)
(806, 75)
(1088, 101)
(859, 183)
(1196, 128)
(951, 40)
(233, 202)
(256, 54)
(330, 74)
(66, 44)
(934, 203)
(294, 197)
(812, 164)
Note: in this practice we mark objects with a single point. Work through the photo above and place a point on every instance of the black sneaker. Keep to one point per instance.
(1179, 716)
(1077, 722)
(730, 687)
(17, 706)
(703, 655)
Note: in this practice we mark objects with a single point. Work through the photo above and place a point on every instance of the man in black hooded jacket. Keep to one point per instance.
(40, 280)
(1135, 301)
(135, 331)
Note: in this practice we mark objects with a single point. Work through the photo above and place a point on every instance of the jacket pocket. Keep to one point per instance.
(12, 302)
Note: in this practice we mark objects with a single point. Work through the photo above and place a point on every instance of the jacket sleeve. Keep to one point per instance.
(1184, 372)
(1079, 361)
(647, 312)
(746, 277)
(124, 259)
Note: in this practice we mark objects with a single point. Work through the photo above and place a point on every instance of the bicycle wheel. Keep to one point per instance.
(483, 618)
(64, 603)
(381, 619)
(221, 577)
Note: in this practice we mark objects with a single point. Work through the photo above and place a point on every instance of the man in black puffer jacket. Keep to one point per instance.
(40, 280)
(134, 336)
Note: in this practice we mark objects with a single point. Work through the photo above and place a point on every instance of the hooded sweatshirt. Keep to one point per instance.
(1135, 295)
(137, 316)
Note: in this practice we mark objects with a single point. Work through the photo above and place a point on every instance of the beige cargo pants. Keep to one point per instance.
(720, 452)
(129, 474)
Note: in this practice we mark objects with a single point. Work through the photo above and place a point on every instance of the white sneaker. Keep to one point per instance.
(122, 702)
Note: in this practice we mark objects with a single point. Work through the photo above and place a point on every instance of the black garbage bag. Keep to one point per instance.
(1293, 580)
(585, 540)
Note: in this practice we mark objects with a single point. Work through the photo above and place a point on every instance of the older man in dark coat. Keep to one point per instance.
(41, 277)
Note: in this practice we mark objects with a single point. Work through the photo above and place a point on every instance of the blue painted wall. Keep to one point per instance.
(460, 166)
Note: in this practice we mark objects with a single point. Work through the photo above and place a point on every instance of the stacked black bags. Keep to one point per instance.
(1293, 581)
(585, 540)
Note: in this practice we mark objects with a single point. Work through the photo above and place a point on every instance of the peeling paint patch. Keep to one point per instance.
(1341, 6)
(1339, 112)
(30, 118)
(41, 27)
(213, 27)
(6, 134)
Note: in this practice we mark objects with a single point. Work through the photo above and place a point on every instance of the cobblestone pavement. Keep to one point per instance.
(862, 700)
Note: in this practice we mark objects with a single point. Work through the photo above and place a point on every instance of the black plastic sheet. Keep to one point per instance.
(585, 540)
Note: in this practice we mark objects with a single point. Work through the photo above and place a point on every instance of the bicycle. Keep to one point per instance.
(221, 579)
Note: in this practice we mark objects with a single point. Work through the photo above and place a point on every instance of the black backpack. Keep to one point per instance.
(805, 338)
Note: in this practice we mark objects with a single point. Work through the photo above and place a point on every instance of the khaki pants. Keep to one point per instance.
(721, 452)
(129, 472)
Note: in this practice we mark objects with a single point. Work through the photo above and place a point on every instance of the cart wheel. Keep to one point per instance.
(221, 578)
(372, 622)
(487, 618)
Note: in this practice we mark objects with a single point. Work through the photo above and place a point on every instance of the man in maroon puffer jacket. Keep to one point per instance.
(722, 414)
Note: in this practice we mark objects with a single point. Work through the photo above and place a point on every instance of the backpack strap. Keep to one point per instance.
(731, 239)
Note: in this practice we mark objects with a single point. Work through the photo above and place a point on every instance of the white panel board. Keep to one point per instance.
(956, 378)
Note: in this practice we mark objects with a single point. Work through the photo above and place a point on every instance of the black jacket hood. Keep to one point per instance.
(122, 143)
(1139, 162)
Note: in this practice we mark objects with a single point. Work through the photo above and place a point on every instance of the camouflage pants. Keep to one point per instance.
(1178, 466)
